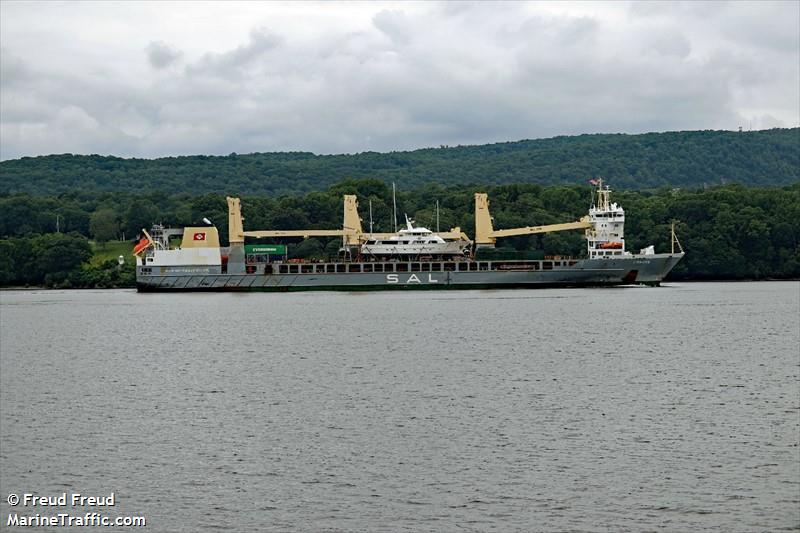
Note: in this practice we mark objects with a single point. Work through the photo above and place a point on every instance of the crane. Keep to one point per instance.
(486, 235)
(351, 231)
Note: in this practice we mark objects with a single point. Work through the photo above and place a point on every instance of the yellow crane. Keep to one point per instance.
(353, 234)
(486, 235)
(351, 230)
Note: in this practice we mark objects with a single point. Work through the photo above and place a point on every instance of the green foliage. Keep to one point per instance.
(61, 261)
(729, 232)
(308, 248)
(675, 159)
(107, 274)
(42, 259)
(103, 225)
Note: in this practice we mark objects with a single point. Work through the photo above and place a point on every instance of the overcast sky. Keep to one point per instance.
(150, 79)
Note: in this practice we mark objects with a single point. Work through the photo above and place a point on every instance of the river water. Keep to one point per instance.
(631, 409)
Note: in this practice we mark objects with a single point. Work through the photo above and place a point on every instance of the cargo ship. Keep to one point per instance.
(447, 261)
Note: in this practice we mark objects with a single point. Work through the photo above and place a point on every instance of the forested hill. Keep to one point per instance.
(688, 159)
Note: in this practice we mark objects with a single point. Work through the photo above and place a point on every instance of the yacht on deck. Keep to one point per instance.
(414, 242)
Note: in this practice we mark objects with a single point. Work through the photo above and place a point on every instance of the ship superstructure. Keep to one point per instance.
(606, 235)
(413, 257)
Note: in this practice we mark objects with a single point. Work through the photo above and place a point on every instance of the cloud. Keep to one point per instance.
(270, 77)
(261, 42)
(161, 55)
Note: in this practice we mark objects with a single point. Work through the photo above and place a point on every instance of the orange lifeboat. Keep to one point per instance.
(143, 244)
(611, 246)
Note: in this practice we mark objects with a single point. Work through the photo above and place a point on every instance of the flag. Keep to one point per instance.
(593, 181)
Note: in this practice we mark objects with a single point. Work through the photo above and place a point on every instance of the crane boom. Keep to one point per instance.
(530, 230)
(486, 235)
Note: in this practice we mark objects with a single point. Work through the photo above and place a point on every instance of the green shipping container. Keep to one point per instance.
(271, 249)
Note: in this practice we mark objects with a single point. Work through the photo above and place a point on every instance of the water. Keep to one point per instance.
(636, 409)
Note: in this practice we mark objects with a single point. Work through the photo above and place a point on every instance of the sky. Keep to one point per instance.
(154, 79)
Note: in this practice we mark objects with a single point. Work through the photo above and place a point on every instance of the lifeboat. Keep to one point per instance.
(141, 246)
(611, 246)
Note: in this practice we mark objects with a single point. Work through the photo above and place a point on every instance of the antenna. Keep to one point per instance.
(394, 207)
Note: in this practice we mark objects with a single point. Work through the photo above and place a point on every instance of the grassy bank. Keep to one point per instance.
(110, 251)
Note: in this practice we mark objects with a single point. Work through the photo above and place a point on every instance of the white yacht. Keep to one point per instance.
(414, 242)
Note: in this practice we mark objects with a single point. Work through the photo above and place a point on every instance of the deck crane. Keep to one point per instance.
(351, 232)
(486, 235)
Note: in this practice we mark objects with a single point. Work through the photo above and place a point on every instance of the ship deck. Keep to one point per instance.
(255, 267)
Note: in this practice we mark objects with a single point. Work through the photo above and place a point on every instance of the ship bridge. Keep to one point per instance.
(606, 236)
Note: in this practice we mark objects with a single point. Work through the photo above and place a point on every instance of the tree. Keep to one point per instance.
(103, 225)
(58, 254)
(140, 215)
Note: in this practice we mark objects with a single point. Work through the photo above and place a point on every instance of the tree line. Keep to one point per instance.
(689, 159)
(729, 232)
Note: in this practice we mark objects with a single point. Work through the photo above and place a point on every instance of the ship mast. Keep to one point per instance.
(602, 195)
(370, 217)
(437, 216)
(394, 207)
(675, 239)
